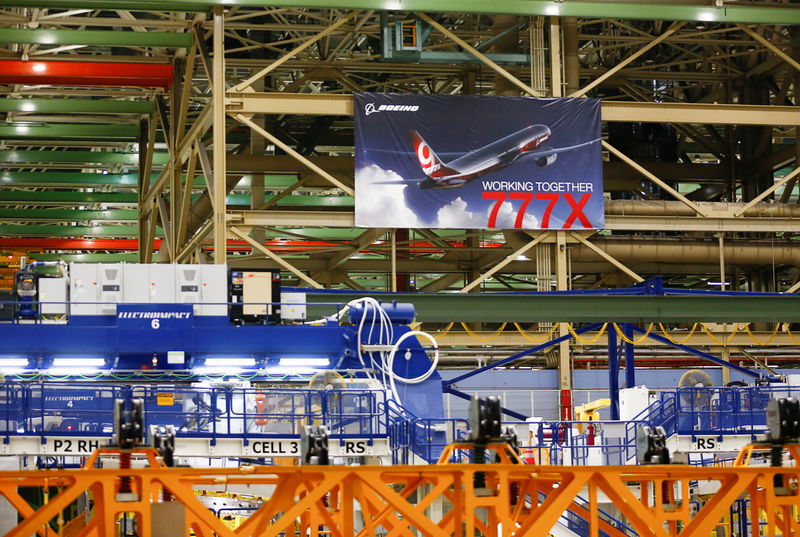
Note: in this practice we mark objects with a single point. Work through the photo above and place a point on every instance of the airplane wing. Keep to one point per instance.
(544, 151)
(403, 182)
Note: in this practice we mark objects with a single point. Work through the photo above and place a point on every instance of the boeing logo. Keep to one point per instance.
(370, 108)
(154, 314)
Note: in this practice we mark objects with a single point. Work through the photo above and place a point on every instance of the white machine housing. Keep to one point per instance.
(96, 288)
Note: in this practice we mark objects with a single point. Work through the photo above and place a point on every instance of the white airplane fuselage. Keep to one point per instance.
(491, 157)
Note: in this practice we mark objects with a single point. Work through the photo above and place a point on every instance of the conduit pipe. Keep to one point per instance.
(680, 250)
(676, 208)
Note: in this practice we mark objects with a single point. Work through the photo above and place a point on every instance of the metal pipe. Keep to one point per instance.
(676, 208)
(668, 250)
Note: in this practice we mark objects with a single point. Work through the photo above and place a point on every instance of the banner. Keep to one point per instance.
(469, 162)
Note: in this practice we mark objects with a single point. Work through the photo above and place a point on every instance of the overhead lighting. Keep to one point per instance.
(39, 68)
(707, 15)
(27, 106)
(79, 362)
(12, 366)
(230, 362)
(290, 370)
(307, 362)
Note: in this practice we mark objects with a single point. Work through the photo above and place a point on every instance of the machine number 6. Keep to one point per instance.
(155, 324)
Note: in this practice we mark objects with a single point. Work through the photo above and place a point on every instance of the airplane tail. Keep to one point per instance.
(428, 160)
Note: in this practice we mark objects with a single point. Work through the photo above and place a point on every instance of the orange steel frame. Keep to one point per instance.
(314, 500)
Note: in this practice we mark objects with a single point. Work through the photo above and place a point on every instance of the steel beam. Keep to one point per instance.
(140, 75)
(68, 131)
(711, 224)
(70, 231)
(108, 38)
(75, 106)
(574, 8)
(88, 258)
(14, 156)
(33, 243)
(529, 307)
(717, 114)
(510, 337)
(68, 179)
(66, 214)
(44, 198)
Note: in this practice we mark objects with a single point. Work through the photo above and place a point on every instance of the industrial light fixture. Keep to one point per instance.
(225, 365)
(76, 365)
(11, 366)
(300, 361)
(79, 362)
(230, 362)
(291, 370)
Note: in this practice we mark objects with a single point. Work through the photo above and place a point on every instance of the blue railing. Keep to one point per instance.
(732, 410)
(575, 522)
(592, 443)
(64, 409)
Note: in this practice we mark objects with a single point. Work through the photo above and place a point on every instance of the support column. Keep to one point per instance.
(613, 373)
(555, 57)
(218, 97)
(630, 371)
(564, 369)
(571, 67)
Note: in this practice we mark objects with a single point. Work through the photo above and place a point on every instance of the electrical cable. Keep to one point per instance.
(534, 340)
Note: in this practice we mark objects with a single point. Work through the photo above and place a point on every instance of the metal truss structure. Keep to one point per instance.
(442, 500)
(173, 131)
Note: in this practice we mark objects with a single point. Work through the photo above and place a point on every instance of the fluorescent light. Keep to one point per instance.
(288, 370)
(229, 362)
(292, 362)
(218, 370)
(13, 362)
(79, 362)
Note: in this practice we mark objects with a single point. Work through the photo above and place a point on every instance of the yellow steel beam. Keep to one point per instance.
(705, 113)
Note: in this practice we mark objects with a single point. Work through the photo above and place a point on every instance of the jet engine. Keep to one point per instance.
(544, 162)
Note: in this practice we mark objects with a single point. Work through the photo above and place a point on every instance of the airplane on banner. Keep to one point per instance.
(494, 156)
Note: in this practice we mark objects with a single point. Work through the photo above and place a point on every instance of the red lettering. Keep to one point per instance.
(553, 198)
(499, 198)
(577, 210)
(526, 198)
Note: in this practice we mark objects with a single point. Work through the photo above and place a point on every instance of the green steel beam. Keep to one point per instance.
(108, 38)
(50, 197)
(488, 307)
(67, 214)
(76, 106)
(69, 131)
(71, 231)
(13, 156)
(70, 179)
(701, 11)
(36, 198)
(87, 258)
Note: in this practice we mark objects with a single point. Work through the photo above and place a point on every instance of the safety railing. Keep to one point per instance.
(424, 437)
(725, 410)
(64, 409)
(594, 443)
(576, 520)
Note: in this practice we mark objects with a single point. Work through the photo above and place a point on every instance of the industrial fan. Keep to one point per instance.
(695, 399)
(322, 381)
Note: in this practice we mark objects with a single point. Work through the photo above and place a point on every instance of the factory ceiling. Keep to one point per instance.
(106, 148)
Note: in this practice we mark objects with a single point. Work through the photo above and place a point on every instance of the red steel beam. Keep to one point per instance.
(62, 73)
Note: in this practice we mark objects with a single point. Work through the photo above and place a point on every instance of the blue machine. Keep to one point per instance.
(168, 318)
